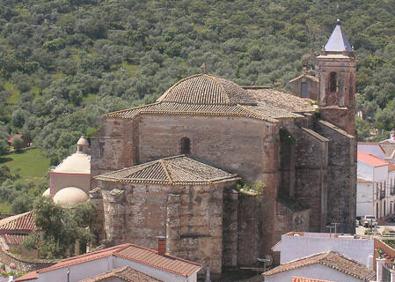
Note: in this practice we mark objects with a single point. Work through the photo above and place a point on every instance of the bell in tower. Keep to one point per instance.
(337, 77)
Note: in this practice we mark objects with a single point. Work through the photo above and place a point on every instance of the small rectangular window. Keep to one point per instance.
(304, 89)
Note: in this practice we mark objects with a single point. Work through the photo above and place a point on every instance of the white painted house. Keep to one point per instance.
(375, 184)
(296, 245)
(328, 266)
(126, 262)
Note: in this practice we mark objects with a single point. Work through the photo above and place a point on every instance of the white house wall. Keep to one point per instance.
(365, 171)
(365, 199)
(296, 247)
(78, 271)
(315, 271)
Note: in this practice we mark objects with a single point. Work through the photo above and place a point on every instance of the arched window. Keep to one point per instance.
(332, 82)
(185, 146)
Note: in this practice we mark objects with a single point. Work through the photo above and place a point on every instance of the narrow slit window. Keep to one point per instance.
(185, 146)
(332, 82)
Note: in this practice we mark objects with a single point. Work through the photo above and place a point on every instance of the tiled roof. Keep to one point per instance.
(304, 279)
(207, 95)
(151, 258)
(21, 222)
(281, 100)
(33, 275)
(206, 89)
(178, 170)
(371, 159)
(85, 258)
(13, 239)
(304, 75)
(330, 259)
(73, 261)
(125, 273)
(371, 148)
(191, 109)
(126, 251)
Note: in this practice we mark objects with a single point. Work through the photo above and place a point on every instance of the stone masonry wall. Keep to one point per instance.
(190, 216)
(341, 202)
(237, 145)
(311, 175)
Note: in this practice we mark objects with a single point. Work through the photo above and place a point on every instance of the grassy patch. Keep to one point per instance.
(89, 99)
(5, 208)
(131, 69)
(30, 164)
(14, 91)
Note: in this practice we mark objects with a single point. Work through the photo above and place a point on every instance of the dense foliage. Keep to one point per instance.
(61, 228)
(65, 62)
(19, 192)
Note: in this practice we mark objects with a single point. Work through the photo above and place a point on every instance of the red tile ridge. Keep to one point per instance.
(371, 159)
(28, 276)
(167, 269)
(85, 258)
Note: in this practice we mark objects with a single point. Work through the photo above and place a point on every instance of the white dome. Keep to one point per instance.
(82, 141)
(47, 193)
(78, 162)
(69, 197)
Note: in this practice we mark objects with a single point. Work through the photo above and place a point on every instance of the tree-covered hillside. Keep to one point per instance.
(65, 62)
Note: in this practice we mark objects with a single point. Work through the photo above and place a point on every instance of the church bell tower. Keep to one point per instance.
(337, 81)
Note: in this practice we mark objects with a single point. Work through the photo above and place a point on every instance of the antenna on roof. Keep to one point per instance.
(204, 68)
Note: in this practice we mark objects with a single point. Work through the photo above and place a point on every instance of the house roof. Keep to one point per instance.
(305, 279)
(178, 170)
(151, 258)
(330, 259)
(13, 239)
(306, 76)
(73, 261)
(23, 222)
(371, 148)
(207, 95)
(338, 41)
(126, 251)
(125, 273)
(370, 160)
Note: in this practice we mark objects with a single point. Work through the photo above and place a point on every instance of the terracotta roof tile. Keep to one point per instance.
(13, 239)
(371, 159)
(330, 259)
(125, 273)
(178, 170)
(28, 276)
(127, 251)
(304, 279)
(166, 108)
(208, 95)
(281, 101)
(166, 263)
(206, 90)
(21, 222)
(84, 258)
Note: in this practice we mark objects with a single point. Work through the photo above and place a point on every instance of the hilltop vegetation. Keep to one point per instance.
(65, 62)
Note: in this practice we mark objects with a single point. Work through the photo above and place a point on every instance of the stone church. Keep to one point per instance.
(173, 168)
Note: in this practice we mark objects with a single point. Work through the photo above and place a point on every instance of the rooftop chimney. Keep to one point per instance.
(161, 245)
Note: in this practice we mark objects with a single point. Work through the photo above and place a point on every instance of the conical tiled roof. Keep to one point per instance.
(204, 89)
(338, 41)
(176, 170)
